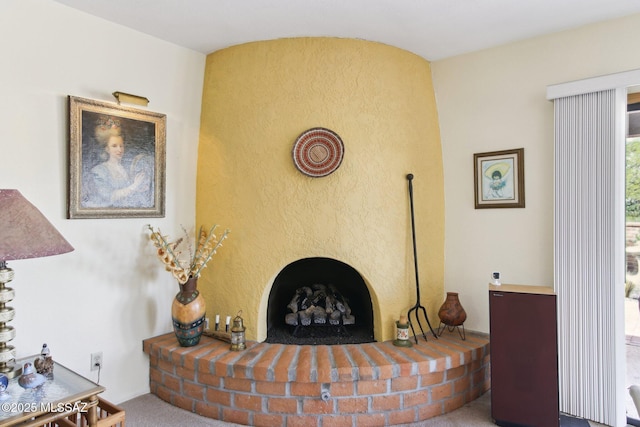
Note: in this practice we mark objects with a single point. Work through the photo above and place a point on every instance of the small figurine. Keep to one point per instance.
(4, 383)
(44, 363)
(30, 378)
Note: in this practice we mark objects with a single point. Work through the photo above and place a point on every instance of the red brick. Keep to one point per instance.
(193, 390)
(437, 363)
(281, 370)
(454, 403)
(376, 397)
(163, 393)
(223, 363)
(208, 410)
(303, 421)
(429, 411)
(384, 368)
(153, 361)
(151, 345)
(186, 374)
(166, 366)
(323, 361)
(209, 379)
(247, 401)
(475, 393)
(240, 365)
(356, 405)
(344, 368)
(478, 376)
(454, 373)
(450, 355)
(155, 375)
(305, 389)
(416, 398)
(404, 383)
(282, 405)
(371, 387)
(206, 364)
(461, 384)
(459, 354)
(271, 389)
(345, 388)
(431, 379)
(401, 356)
(365, 370)
(262, 369)
(182, 402)
(402, 417)
(218, 396)
(441, 392)
(475, 365)
(338, 421)
(237, 384)
(386, 403)
(318, 406)
(177, 355)
(268, 420)
(172, 383)
(424, 367)
(235, 416)
(167, 349)
(303, 366)
(370, 420)
(191, 359)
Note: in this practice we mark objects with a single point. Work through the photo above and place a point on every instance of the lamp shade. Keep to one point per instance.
(25, 232)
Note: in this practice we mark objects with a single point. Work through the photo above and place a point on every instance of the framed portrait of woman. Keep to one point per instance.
(116, 160)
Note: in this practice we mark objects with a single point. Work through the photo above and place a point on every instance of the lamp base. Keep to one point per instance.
(11, 370)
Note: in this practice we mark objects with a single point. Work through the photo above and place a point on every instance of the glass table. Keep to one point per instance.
(64, 394)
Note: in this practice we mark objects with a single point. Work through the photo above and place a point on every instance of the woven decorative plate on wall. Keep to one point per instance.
(318, 152)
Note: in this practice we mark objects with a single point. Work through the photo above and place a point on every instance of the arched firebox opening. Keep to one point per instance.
(319, 301)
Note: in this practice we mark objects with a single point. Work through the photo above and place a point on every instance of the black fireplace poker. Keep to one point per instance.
(415, 309)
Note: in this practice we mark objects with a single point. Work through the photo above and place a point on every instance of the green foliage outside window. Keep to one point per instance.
(633, 180)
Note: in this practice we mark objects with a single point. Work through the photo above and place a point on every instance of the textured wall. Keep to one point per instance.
(257, 99)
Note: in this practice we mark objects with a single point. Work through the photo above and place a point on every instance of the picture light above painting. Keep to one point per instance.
(116, 161)
(499, 179)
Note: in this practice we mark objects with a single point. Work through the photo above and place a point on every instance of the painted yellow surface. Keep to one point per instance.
(258, 98)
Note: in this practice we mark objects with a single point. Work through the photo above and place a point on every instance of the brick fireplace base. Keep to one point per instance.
(374, 384)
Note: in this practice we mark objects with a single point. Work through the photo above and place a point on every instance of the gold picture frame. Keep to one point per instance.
(116, 161)
(499, 179)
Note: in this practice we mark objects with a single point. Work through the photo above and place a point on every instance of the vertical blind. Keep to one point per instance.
(588, 255)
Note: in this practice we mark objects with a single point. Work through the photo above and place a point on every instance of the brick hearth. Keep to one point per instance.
(373, 384)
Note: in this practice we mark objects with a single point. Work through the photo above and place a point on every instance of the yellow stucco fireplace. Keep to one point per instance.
(258, 97)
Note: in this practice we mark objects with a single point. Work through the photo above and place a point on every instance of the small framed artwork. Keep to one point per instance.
(116, 161)
(499, 179)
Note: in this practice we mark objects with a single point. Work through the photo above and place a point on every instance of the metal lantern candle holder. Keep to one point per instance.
(238, 341)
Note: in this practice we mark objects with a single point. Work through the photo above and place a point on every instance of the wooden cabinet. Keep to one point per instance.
(524, 356)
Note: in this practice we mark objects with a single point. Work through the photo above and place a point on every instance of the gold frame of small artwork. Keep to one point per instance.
(498, 178)
(144, 134)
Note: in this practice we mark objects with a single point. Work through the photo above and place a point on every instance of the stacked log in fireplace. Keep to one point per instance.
(319, 305)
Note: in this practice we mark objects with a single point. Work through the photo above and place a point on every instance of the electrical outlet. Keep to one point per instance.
(96, 361)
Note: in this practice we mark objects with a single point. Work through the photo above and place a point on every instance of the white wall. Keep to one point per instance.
(110, 293)
(494, 100)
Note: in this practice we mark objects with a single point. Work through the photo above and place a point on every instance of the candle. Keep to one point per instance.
(403, 320)
(217, 321)
(226, 328)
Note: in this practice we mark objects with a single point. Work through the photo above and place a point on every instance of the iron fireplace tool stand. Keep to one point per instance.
(417, 306)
